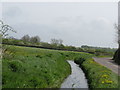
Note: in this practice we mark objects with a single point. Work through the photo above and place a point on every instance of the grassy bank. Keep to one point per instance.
(28, 67)
(36, 68)
(98, 76)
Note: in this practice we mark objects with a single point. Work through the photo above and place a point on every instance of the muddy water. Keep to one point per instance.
(76, 79)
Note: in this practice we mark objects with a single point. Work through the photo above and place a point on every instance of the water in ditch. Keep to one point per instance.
(76, 79)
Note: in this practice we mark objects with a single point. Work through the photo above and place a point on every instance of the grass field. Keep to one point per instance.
(36, 68)
(42, 68)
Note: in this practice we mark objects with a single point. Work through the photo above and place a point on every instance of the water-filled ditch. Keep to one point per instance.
(76, 79)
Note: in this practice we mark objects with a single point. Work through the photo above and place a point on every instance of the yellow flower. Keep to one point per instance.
(108, 81)
(102, 81)
(105, 76)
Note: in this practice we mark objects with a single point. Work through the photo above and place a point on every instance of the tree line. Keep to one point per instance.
(57, 44)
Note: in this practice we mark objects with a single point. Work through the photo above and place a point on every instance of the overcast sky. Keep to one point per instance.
(76, 24)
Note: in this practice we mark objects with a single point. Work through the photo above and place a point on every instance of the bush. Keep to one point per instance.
(79, 60)
(15, 66)
(117, 56)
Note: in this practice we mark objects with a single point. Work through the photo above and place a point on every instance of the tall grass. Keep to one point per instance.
(34, 68)
(98, 76)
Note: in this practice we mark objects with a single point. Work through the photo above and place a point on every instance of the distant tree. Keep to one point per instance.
(26, 38)
(60, 41)
(56, 41)
(85, 46)
(61, 46)
(35, 39)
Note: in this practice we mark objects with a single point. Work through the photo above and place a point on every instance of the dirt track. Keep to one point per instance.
(107, 62)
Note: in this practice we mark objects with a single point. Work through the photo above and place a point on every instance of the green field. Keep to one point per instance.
(33, 67)
(28, 67)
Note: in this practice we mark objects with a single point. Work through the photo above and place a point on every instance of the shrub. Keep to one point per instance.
(15, 66)
(79, 60)
(117, 56)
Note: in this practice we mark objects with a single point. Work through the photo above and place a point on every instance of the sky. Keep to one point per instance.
(76, 23)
